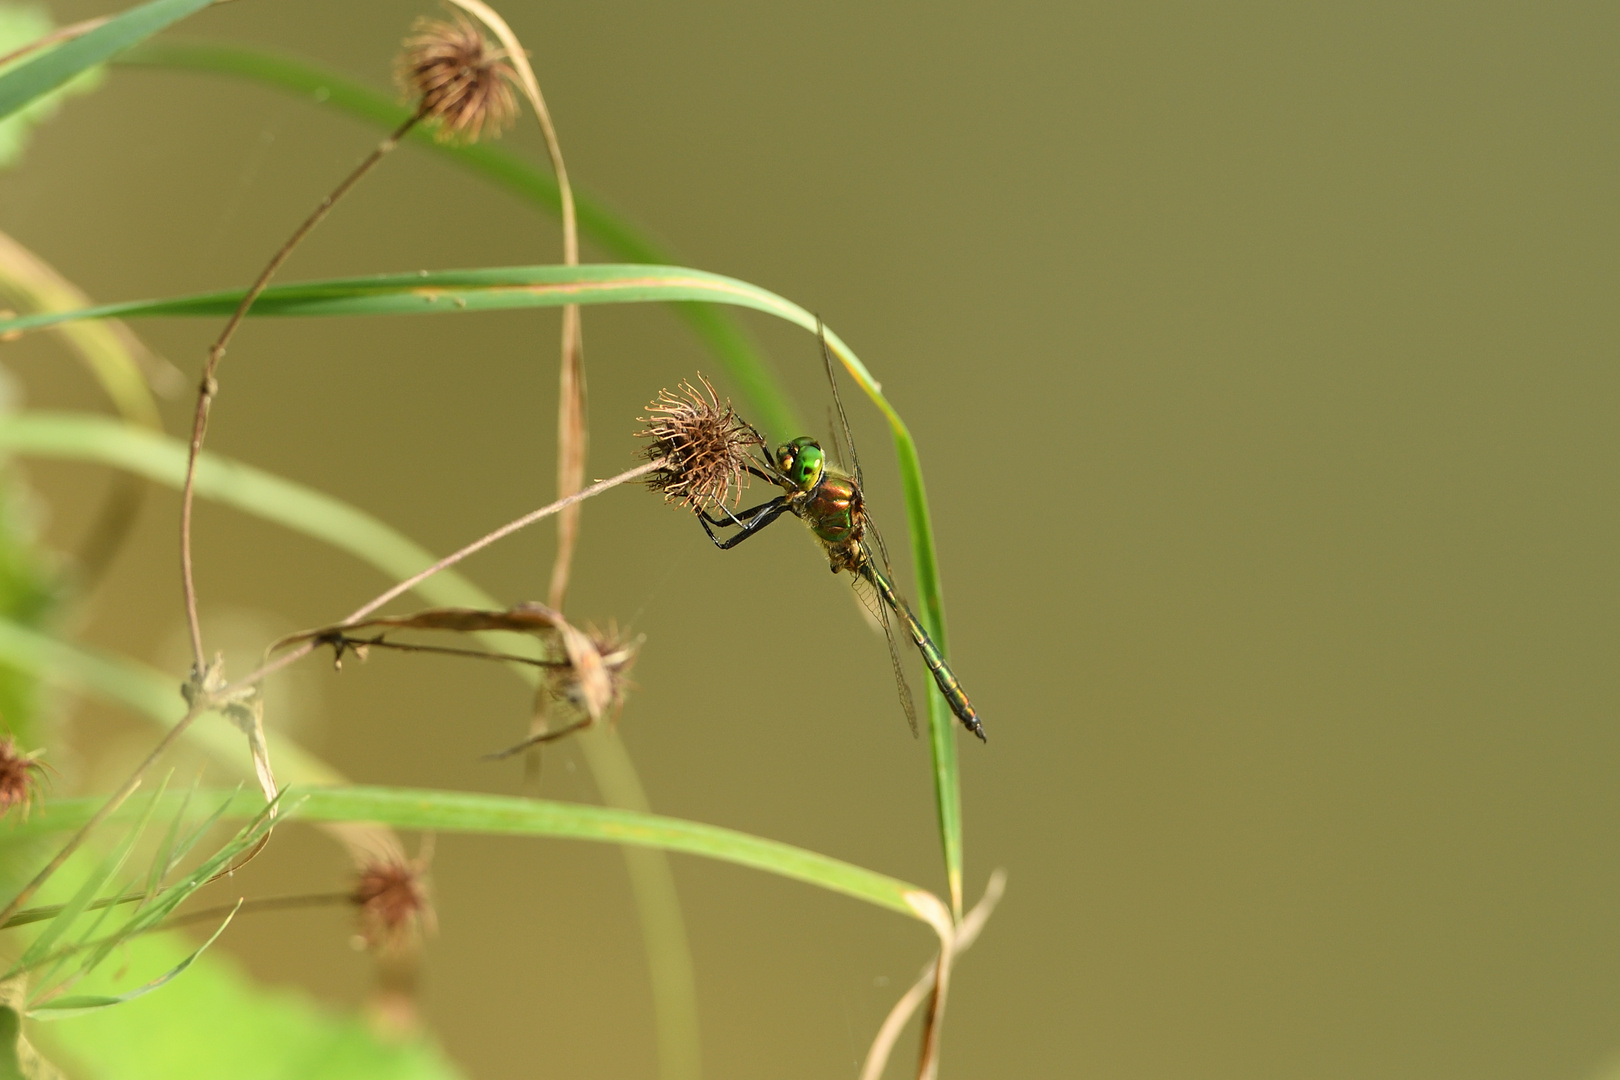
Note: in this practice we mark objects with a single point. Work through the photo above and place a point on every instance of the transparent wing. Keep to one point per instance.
(843, 419)
(864, 589)
(837, 447)
(880, 611)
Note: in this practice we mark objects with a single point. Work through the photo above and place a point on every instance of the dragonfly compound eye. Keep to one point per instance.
(810, 465)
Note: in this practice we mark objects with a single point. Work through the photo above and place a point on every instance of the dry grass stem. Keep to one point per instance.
(293, 656)
(967, 932)
(209, 386)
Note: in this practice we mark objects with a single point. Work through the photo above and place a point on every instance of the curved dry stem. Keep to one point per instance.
(209, 386)
(877, 1058)
(572, 434)
(296, 654)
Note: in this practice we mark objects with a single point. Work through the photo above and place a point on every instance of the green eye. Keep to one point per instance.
(801, 461)
(810, 465)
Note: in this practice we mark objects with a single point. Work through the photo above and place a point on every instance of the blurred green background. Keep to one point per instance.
(1262, 360)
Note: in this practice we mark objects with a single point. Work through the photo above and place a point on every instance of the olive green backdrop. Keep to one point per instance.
(1263, 365)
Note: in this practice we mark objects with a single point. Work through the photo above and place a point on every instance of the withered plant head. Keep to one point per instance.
(20, 775)
(460, 79)
(618, 654)
(392, 896)
(704, 446)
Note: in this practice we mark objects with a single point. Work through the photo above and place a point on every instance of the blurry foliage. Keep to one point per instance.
(19, 25)
(30, 590)
(216, 1022)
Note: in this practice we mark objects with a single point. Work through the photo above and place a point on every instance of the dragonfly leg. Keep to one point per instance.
(752, 520)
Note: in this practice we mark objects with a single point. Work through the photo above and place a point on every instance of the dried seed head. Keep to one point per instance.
(392, 896)
(617, 654)
(460, 80)
(19, 776)
(704, 446)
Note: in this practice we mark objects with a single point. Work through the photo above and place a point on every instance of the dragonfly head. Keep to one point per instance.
(801, 462)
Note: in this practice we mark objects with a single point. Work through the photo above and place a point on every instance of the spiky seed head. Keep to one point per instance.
(460, 80)
(704, 446)
(20, 775)
(392, 896)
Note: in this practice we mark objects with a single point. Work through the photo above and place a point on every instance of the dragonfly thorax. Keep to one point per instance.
(827, 501)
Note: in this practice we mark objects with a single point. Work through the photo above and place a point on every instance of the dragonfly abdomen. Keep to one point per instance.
(944, 678)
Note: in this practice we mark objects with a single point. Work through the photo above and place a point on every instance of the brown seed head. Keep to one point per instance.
(460, 80)
(19, 776)
(704, 446)
(392, 896)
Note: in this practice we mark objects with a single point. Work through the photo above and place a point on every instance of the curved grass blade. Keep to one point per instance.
(37, 77)
(506, 815)
(743, 363)
(40, 948)
(78, 1005)
(553, 286)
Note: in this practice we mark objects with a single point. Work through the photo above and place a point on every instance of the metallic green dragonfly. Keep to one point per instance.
(829, 501)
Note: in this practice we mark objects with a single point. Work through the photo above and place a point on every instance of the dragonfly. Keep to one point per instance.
(830, 501)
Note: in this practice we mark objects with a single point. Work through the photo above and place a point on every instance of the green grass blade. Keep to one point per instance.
(78, 1005)
(40, 947)
(723, 336)
(506, 815)
(86, 437)
(502, 288)
(37, 77)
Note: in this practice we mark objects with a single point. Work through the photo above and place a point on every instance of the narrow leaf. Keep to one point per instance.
(40, 947)
(78, 1005)
(467, 812)
(39, 76)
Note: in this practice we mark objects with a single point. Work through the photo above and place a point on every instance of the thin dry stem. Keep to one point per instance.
(967, 932)
(210, 387)
(294, 655)
(572, 434)
(934, 1022)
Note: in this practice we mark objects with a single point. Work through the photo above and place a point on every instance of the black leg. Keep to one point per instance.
(739, 518)
(753, 519)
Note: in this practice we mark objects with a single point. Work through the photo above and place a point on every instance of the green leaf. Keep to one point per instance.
(217, 1022)
(452, 291)
(80, 1004)
(749, 370)
(40, 948)
(20, 26)
(494, 815)
(33, 78)
(10, 1033)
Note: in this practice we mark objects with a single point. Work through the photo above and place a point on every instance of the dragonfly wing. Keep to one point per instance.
(854, 462)
(880, 611)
